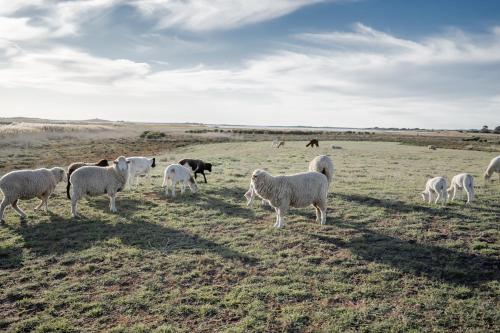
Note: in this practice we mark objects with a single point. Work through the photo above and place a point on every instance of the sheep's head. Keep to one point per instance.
(58, 173)
(208, 167)
(121, 163)
(192, 184)
(425, 196)
(154, 163)
(257, 175)
(102, 163)
(487, 177)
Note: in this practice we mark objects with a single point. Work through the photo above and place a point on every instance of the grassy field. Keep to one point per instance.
(206, 262)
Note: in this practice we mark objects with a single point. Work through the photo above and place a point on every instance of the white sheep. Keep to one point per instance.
(94, 180)
(493, 167)
(29, 184)
(323, 164)
(297, 190)
(436, 185)
(139, 166)
(276, 143)
(177, 173)
(462, 181)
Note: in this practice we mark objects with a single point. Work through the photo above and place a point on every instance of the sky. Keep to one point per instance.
(339, 63)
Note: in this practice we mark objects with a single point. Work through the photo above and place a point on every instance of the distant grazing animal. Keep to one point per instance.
(277, 144)
(29, 184)
(177, 173)
(465, 182)
(197, 166)
(493, 167)
(313, 142)
(73, 166)
(297, 190)
(336, 147)
(139, 166)
(436, 185)
(323, 164)
(431, 147)
(93, 180)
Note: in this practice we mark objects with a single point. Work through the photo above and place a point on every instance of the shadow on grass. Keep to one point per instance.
(62, 235)
(434, 262)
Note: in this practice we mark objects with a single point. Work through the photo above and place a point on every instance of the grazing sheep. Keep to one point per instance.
(312, 143)
(197, 166)
(436, 185)
(298, 190)
(493, 167)
(336, 147)
(462, 181)
(29, 184)
(93, 180)
(431, 147)
(323, 164)
(73, 166)
(139, 166)
(178, 173)
(277, 144)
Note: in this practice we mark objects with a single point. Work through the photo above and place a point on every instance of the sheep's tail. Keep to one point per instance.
(165, 178)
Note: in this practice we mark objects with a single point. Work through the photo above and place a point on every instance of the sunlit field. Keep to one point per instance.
(385, 261)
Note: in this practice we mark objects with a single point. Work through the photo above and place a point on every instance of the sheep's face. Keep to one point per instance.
(208, 167)
(121, 163)
(192, 184)
(59, 174)
(154, 163)
(487, 177)
(257, 175)
(425, 196)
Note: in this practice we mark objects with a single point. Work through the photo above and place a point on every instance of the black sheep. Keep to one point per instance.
(198, 166)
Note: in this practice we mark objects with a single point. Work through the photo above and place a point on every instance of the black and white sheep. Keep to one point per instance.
(197, 166)
(73, 166)
(29, 184)
(297, 190)
(93, 180)
(139, 166)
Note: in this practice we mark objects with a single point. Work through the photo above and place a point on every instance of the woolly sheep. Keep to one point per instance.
(29, 184)
(93, 180)
(177, 173)
(297, 190)
(436, 185)
(462, 181)
(493, 167)
(73, 166)
(139, 166)
(323, 164)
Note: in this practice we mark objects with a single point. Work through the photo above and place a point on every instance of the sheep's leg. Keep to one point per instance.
(322, 210)
(470, 195)
(203, 173)
(281, 213)
(454, 193)
(3, 205)
(73, 205)
(40, 204)
(112, 201)
(318, 213)
(429, 195)
(183, 187)
(174, 184)
(277, 218)
(17, 209)
(438, 197)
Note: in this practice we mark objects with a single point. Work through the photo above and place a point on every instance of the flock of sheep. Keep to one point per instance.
(280, 192)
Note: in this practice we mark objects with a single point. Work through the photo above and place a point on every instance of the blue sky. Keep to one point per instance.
(433, 64)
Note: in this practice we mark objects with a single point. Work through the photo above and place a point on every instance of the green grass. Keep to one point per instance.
(206, 262)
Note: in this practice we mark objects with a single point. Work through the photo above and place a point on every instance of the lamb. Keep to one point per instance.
(93, 180)
(312, 143)
(462, 181)
(178, 173)
(139, 166)
(197, 166)
(493, 167)
(73, 166)
(297, 190)
(323, 164)
(29, 184)
(436, 185)
(431, 147)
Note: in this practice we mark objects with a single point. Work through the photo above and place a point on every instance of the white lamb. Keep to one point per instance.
(94, 180)
(139, 166)
(177, 173)
(298, 190)
(462, 181)
(436, 185)
(493, 167)
(29, 184)
(323, 164)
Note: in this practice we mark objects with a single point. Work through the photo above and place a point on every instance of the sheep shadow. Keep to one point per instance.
(398, 206)
(122, 203)
(61, 235)
(434, 262)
